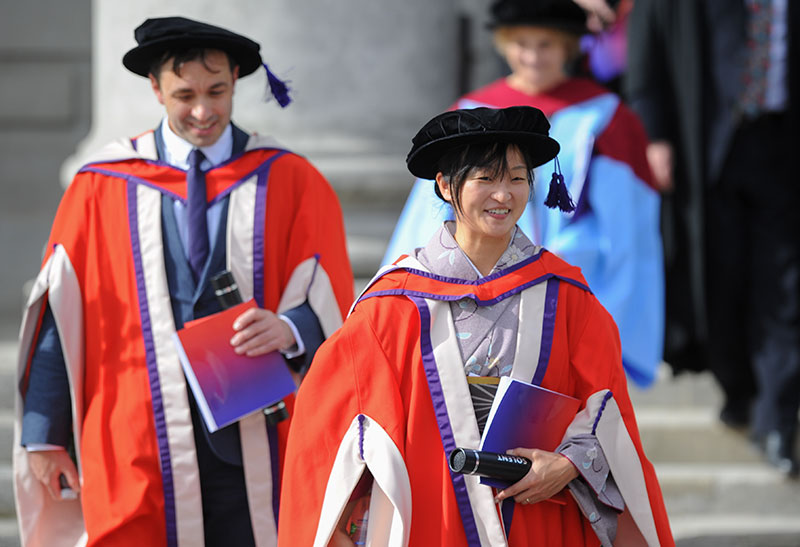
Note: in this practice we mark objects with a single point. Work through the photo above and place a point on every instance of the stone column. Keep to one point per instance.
(44, 113)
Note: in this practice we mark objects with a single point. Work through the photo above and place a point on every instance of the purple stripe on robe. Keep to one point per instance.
(264, 166)
(507, 512)
(132, 179)
(274, 459)
(361, 418)
(258, 238)
(313, 275)
(496, 275)
(445, 429)
(258, 294)
(135, 145)
(456, 297)
(606, 397)
(137, 180)
(548, 330)
(259, 225)
(152, 371)
(281, 152)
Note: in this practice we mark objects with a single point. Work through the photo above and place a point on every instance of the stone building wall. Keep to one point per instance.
(45, 110)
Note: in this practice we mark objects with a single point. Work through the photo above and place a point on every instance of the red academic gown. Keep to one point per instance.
(103, 276)
(388, 393)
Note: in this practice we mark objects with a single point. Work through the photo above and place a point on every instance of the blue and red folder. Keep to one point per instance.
(228, 386)
(524, 415)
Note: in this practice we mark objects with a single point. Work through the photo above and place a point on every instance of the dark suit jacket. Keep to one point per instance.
(684, 58)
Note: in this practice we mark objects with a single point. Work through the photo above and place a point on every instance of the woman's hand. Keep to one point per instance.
(548, 475)
(260, 331)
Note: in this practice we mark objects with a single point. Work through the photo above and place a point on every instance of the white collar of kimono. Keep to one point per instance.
(450, 226)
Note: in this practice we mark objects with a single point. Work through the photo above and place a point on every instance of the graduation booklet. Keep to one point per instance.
(528, 416)
(228, 386)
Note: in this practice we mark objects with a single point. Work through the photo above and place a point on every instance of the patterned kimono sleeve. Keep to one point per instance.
(608, 416)
(594, 490)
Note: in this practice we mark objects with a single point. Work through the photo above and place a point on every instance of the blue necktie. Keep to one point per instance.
(197, 226)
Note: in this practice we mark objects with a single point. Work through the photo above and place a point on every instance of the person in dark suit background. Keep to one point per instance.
(717, 90)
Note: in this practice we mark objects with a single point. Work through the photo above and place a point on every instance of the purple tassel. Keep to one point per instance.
(278, 88)
(558, 195)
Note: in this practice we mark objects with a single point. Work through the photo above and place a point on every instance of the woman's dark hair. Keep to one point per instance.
(456, 165)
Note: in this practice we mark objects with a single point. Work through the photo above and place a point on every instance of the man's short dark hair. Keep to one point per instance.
(181, 56)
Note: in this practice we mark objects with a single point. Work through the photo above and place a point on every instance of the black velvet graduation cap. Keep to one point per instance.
(559, 14)
(158, 35)
(525, 126)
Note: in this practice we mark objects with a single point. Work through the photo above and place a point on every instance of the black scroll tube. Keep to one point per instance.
(227, 293)
(488, 464)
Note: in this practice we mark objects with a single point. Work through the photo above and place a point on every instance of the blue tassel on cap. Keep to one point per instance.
(558, 195)
(278, 88)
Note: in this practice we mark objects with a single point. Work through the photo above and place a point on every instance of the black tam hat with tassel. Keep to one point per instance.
(524, 126)
(159, 36)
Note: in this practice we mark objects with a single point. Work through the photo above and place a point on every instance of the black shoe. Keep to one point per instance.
(779, 450)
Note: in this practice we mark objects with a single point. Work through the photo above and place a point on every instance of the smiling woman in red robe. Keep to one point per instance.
(401, 384)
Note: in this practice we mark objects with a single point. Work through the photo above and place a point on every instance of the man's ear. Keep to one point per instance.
(444, 188)
(156, 88)
(235, 73)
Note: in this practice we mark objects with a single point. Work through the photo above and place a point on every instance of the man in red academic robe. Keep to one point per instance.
(138, 235)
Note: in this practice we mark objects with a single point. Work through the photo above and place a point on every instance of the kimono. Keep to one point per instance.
(613, 236)
(104, 278)
(388, 394)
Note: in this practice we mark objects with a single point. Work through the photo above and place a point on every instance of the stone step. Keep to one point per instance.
(365, 254)
(8, 356)
(6, 435)
(678, 391)
(750, 504)
(368, 232)
(713, 490)
(691, 435)
(736, 530)
(6, 492)
(9, 532)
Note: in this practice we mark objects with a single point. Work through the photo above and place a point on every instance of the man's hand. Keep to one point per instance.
(548, 475)
(661, 160)
(49, 465)
(260, 331)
